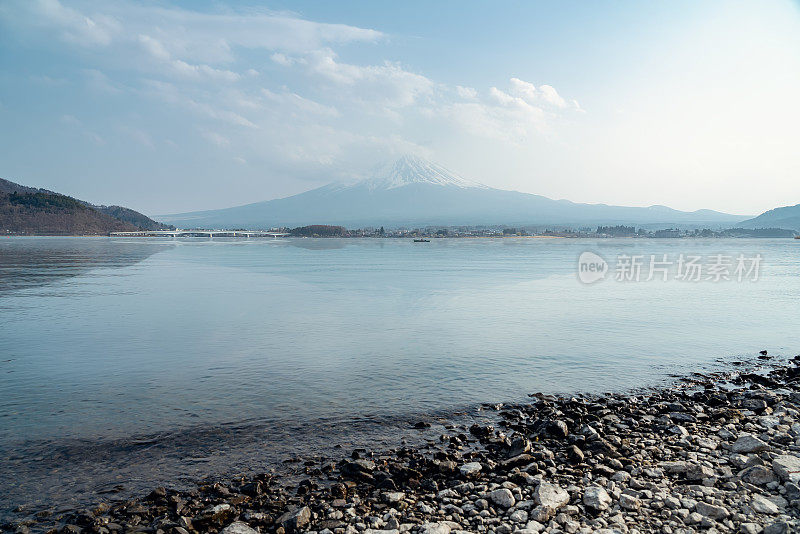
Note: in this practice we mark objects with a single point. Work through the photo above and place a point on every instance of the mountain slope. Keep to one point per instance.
(27, 210)
(414, 192)
(139, 220)
(786, 217)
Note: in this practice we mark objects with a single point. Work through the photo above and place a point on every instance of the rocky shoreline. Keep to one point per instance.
(717, 452)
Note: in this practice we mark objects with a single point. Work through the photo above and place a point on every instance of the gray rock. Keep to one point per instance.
(787, 467)
(534, 526)
(750, 528)
(296, 519)
(698, 472)
(392, 497)
(502, 497)
(694, 518)
(674, 467)
(779, 527)
(596, 497)
(519, 446)
(558, 429)
(706, 443)
(471, 469)
(542, 514)
(238, 527)
(551, 495)
(679, 430)
(435, 528)
(629, 502)
(519, 516)
(762, 505)
(711, 510)
(758, 475)
(621, 476)
(748, 443)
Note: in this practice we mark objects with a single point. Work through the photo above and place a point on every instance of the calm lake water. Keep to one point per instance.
(127, 363)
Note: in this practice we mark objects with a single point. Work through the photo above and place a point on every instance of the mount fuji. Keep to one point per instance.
(416, 192)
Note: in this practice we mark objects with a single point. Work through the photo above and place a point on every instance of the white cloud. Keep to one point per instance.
(271, 89)
(158, 52)
(171, 94)
(138, 135)
(190, 42)
(73, 26)
(388, 83)
(216, 138)
(72, 120)
(301, 104)
(544, 94)
(467, 93)
(99, 82)
(551, 96)
(75, 124)
(282, 59)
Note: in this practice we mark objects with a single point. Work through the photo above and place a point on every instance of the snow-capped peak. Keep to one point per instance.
(414, 170)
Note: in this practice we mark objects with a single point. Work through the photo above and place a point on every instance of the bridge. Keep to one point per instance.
(200, 233)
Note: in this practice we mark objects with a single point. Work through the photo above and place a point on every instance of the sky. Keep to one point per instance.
(174, 106)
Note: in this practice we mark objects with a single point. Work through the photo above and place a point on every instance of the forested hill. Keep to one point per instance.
(31, 211)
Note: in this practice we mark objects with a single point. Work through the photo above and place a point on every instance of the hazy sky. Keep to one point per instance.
(169, 106)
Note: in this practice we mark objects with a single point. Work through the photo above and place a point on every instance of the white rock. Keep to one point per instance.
(787, 467)
(597, 498)
(750, 528)
(551, 495)
(238, 527)
(534, 526)
(434, 528)
(470, 469)
(394, 496)
(219, 508)
(519, 516)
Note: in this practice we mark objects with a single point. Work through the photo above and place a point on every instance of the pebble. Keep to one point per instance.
(238, 527)
(748, 443)
(470, 469)
(597, 498)
(503, 498)
(717, 454)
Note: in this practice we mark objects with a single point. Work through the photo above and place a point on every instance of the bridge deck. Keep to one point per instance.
(200, 233)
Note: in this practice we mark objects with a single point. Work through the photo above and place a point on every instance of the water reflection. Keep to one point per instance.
(34, 262)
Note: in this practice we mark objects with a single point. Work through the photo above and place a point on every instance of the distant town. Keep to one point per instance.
(432, 232)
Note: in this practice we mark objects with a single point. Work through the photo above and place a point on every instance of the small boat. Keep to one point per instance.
(422, 241)
(797, 237)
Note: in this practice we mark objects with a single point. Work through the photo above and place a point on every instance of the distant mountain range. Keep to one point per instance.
(28, 210)
(414, 192)
(786, 217)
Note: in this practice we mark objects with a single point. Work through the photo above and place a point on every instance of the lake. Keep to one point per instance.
(127, 363)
